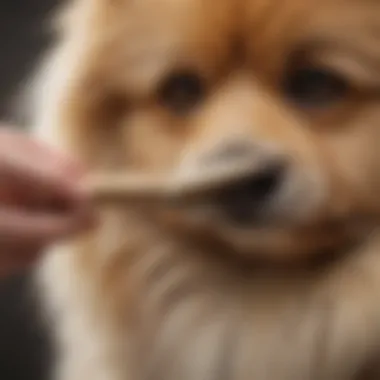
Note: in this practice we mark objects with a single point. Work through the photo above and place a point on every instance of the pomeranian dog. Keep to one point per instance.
(273, 273)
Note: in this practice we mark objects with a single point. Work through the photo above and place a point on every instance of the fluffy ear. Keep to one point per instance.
(71, 98)
(73, 14)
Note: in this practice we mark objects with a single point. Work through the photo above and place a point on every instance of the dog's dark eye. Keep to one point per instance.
(315, 87)
(181, 92)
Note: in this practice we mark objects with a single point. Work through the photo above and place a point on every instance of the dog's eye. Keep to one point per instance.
(181, 92)
(315, 87)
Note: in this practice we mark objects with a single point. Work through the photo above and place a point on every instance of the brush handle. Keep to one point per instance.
(126, 188)
(136, 187)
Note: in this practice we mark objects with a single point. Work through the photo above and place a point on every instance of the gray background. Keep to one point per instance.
(24, 34)
(25, 345)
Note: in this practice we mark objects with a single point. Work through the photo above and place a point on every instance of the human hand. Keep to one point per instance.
(40, 199)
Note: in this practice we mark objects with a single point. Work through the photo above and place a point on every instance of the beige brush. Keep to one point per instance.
(127, 188)
(136, 187)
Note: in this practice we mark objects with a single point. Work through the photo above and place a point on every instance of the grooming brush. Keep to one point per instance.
(133, 188)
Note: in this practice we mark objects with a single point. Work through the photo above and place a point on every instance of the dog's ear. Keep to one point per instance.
(75, 13)
(75, 97)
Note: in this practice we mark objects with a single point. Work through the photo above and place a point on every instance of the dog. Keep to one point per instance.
(274, 274)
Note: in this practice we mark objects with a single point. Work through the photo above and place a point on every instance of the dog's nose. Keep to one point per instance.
(244, 197)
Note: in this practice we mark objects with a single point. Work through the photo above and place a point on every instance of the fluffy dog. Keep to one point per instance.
(274, 274)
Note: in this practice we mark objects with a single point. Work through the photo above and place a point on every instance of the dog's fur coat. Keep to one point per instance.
(141, 297)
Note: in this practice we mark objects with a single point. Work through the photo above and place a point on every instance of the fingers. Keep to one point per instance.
(23, 236)
(35, 171)
(36, 178)
(41, 199)
(25, 229)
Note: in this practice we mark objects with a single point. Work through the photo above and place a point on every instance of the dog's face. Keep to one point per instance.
(289, 90)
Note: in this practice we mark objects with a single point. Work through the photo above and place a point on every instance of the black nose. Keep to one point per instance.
(245, 200)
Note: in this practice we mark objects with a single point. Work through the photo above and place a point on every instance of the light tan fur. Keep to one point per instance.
(153, 295)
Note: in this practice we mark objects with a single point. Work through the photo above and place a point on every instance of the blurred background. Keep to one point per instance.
(24, 36)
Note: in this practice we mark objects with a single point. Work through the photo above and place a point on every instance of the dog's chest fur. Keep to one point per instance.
(159, 310)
